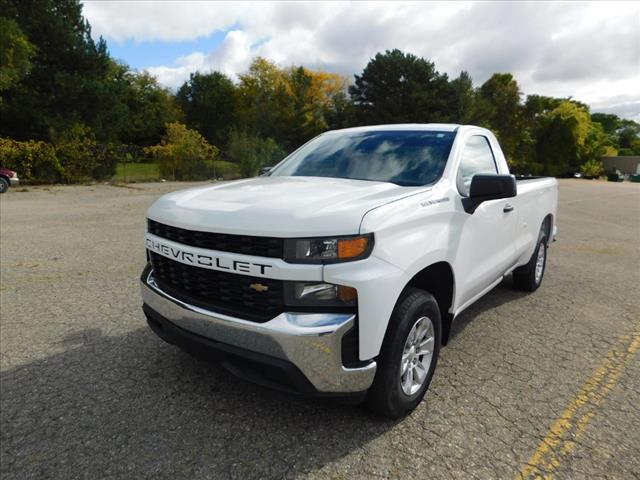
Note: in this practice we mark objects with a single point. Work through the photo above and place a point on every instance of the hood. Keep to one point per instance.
(277, 206)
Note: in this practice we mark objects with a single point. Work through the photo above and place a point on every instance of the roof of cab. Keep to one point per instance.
(441, 127)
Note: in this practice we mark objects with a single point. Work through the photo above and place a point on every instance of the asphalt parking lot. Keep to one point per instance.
(530, 384)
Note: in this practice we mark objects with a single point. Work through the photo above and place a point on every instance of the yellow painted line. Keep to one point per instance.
(562, 437)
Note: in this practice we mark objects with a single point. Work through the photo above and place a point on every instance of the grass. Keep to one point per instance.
(227, 170)
(149, 172)
(136, 172)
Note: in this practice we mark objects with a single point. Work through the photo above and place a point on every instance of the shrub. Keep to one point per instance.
(107, 157)
(592, 168)
(184, 154)
(76, 157)
(227, 170)
(76, 148)
(251, 152)
(35, 162)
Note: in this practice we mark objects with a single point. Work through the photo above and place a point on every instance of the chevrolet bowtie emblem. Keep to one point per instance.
(258, 287)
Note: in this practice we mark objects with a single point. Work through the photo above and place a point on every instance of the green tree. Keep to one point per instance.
(252, 152)
(72, 77)
(596, 144)
(464, 98)
(629, 137)
(623, 134)
(610, 123)
(396, 87)
(561, 136)
(262, 99)
(320, 92)
(537, 105)
(297, 116)
(149, 107)
(184, 154)
(289, 105)
(500, 97)
(339, 112)
(209, 103)
(16, 53)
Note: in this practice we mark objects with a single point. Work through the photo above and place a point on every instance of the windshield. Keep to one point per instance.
(408, 158)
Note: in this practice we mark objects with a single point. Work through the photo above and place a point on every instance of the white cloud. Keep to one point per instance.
(175, 76)
(161, 20)
(234, 54)
(590, 51)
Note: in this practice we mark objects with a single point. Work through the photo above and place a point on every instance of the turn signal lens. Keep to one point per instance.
(352, 247)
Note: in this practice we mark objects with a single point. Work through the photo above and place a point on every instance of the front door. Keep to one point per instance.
(485, 248)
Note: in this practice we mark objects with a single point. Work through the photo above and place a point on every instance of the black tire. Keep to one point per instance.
(386, 395)
(524, 277)
(4, 185)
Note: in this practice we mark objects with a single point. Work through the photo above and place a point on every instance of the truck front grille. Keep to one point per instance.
(221, 292)
(248, 245)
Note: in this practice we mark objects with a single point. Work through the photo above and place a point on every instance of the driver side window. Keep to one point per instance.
(477, 157)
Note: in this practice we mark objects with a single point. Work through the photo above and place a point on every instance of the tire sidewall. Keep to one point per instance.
(415, 305)
(542, 240)
(4, 185)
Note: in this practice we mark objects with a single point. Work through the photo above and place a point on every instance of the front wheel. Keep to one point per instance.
(408, 357)
(4, 185)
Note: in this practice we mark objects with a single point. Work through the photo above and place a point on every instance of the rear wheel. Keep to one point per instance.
(529, 277)
(408, 357)
(4, 185)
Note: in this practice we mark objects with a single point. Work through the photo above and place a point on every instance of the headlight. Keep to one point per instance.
(315, 294)
(328, 250)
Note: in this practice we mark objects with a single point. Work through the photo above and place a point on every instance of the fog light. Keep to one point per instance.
(320, 294)
(319, 291)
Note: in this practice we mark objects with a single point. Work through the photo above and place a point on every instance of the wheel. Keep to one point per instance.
(408, 357)
(529, 276)
(4, 185)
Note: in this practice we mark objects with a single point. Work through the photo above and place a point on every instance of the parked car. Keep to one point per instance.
(615, 176)
(340, 272)
(7, 178)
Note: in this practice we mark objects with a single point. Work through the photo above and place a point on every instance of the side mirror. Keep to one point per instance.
(265, 171)
(489, 187)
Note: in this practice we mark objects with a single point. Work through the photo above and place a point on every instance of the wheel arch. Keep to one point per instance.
(438, 279)
(547, 226)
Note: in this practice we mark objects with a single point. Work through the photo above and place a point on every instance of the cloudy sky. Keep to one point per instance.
(589, 51)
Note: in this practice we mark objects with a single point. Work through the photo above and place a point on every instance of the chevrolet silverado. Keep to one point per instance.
(340, 271)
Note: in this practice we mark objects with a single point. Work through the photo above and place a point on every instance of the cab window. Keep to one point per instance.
(477, 158)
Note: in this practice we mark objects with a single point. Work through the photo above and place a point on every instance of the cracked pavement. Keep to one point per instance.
(88, 391)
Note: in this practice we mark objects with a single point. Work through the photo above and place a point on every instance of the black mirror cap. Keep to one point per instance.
(493, 186)
(489, 187)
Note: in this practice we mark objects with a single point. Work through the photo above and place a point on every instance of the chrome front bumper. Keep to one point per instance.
(14, 181)
(310, 341)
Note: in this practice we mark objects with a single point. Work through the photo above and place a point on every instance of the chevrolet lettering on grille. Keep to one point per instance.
(205, 260)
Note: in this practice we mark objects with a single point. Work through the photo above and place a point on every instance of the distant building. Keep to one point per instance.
(626, 164)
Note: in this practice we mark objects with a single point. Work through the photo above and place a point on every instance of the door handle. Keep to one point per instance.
(508, 208)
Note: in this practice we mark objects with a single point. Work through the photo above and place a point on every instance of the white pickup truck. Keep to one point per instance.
(340, 271)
